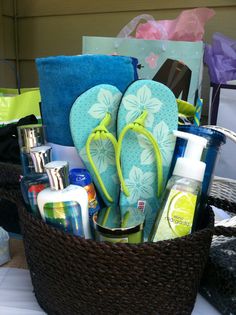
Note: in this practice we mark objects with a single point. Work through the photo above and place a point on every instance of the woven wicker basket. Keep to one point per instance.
(72, 276)
(224, 188)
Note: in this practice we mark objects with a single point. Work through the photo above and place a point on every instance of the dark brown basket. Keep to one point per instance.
(71, 275)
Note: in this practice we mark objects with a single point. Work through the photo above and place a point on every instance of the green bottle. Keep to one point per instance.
(180, 201)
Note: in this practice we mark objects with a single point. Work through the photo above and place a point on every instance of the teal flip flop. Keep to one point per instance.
(146, 118)
(93, 129)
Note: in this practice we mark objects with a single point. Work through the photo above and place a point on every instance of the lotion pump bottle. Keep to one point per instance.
(36, 181)
(29, 136)
(63, 205)
(179, 205)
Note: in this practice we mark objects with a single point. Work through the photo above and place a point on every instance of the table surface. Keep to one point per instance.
(16, 291)
(17, 253)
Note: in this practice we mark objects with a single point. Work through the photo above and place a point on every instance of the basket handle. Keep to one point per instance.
(9, 182)
(10, 194)
(227, 132)
(225, 231)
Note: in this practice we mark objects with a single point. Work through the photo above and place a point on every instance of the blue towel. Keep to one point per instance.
(63, 78)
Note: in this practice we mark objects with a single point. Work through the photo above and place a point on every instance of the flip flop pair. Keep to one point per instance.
(126, 142)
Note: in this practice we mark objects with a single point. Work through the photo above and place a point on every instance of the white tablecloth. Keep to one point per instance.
(17, 297)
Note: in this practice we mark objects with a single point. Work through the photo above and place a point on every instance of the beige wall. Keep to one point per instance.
(7, 45)
(52, 27)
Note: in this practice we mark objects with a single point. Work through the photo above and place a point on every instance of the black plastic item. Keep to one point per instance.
(9, 148)
(9, 218)
(10, 195)
(218, 284)
(175, 75)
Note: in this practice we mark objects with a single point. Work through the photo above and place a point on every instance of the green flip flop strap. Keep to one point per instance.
(100, 132)
(138, 127)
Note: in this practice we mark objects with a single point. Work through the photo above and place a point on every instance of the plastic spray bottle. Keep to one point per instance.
(179, 205)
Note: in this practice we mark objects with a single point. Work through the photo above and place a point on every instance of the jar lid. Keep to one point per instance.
(115, 220)
(213, 136)
(80, 177)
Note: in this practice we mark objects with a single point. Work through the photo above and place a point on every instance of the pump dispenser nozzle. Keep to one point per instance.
(190, 165)
(40, 156)
(58, 173)
(30, 136)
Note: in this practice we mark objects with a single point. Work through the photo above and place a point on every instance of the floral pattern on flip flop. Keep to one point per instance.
(106, 103)
(139, 184)
(102, 152)
(135, 104)
(165, 140)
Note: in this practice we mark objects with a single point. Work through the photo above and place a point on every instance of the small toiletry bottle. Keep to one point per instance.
(63, 205)
(81, 177)
(29, 136)
(36, 181)
(178, 210)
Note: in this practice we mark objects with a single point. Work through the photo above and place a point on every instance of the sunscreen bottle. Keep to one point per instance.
(178, 208)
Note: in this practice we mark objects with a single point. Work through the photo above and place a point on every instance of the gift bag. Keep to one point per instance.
(222, 112)
(177, 64)
(169, 51)
(14, 106)
(15, 110)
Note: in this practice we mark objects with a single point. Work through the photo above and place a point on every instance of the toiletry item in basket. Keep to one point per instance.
(179, 206)
(81, 177)
(215, 139)
(36, 181)
(63, 205)
(119, 225)
(29, 136)
(4, 247)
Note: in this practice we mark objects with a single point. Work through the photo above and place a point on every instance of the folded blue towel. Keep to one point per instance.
(63, 78)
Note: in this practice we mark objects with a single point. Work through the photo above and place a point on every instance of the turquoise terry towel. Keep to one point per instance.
(63, 78)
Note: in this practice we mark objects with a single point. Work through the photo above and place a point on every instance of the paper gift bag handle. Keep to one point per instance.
(128, 29)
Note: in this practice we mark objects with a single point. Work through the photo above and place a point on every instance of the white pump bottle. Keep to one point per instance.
(190, 165)
(176, 215)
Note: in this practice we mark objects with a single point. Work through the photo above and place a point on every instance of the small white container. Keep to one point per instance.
(4, 247)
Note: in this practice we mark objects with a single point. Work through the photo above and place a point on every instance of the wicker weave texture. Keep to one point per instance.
(224, 188)
(71, 275)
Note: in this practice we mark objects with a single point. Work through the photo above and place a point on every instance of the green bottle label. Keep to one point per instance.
(65, 215)
(177, 217)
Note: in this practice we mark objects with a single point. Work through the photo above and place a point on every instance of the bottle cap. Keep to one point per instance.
(190, 165)
(40, 156)
(80, 177)
(58, 173)
(30, 136)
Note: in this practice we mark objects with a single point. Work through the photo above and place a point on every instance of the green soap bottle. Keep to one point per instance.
(180, 201)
